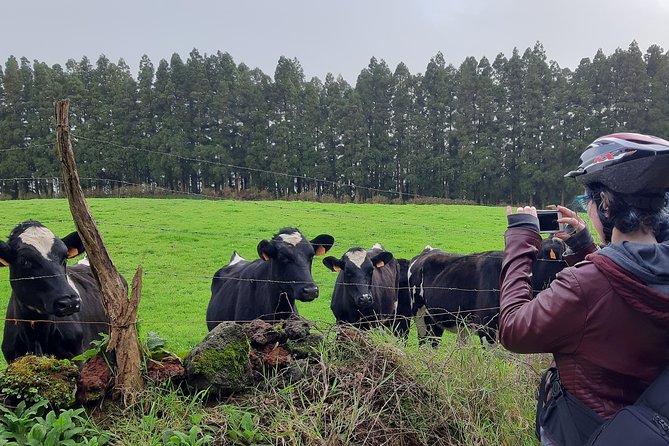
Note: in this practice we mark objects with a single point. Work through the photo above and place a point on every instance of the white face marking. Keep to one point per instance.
(236, 259)
(356, 257)
(39, 238)
(378, 246)
(84, 261)
(292, 239)
(74, 287)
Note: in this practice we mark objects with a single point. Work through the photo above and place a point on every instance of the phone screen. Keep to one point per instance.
(548, 221)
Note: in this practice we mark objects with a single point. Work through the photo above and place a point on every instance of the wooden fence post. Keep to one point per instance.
(121, 311)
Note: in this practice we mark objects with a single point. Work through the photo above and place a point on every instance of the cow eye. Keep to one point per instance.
(25, 263)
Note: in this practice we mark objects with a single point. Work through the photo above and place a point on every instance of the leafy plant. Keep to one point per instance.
(154, 347)
(99, 346)
(26, 426)
(17, 423)
(243, 427)
(197, 435)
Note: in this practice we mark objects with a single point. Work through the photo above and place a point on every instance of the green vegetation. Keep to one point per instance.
(181, 243)
(369, 390)
(33, 378)
(488, 131)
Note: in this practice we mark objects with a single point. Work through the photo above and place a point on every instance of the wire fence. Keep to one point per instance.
(436, 312)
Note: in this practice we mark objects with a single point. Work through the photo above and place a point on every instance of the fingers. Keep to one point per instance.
(522, 210)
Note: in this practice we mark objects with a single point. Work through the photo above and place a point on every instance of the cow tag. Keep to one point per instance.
(3, 262)
(265, 257)
(552, 255)
(321, 250)
(380, 264)
(72, 253)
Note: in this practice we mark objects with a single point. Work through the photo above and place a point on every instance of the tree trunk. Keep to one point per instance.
(121, 312)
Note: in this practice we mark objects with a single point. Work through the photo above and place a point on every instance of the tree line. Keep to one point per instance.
(499, 132)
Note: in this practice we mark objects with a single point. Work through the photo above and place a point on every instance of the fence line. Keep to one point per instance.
(252, 169)
(31, 146)
(281, 282)
(386, 318)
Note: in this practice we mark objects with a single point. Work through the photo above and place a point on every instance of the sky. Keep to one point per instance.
(338, 37)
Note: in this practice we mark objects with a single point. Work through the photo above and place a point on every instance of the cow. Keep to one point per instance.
(365, 294)
(54, 309)
(455, 291)
(267, 287)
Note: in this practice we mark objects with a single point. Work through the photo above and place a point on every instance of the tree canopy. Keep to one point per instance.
(486, 131)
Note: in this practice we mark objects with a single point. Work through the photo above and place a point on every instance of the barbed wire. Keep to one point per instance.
(30, 146)
(264, 204)
(264, 317)
(251, 169)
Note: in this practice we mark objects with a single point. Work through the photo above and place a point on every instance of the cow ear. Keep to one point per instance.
(381, 259)
(5, 254)
(333, 264)
(74, 245)
(322, 244)
(266, 250)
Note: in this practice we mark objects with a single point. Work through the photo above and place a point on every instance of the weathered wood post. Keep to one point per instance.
(121, 311)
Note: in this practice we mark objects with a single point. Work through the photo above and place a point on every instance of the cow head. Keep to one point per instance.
(290, 255)
(37, 268)
(548, 263)
(356, 268)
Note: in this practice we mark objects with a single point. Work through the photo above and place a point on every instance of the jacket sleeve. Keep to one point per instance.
(553, 321)
(580, 245)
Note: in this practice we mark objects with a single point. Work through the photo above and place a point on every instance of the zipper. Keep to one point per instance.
(660, 421)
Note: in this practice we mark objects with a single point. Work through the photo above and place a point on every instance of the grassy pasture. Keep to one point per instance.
(181, 243)
(371, 394)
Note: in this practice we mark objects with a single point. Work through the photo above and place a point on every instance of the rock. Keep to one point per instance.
(296, 328)
(220, 362)
(32, 378)
(169, 368)
(306, 347)
(94, 380)
(274, 356)
(260, 332)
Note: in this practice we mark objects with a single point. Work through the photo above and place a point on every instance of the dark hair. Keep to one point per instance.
(622, 215)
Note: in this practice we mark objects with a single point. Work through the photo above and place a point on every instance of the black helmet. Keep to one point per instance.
(627, 163)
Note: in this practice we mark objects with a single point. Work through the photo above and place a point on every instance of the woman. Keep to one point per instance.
(605, 320)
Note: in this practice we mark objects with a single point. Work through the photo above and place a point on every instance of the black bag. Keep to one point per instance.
(565, 420)
(645, 422)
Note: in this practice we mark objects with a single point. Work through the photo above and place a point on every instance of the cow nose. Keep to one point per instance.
(310, 292)
(366, 299)
(67, 305)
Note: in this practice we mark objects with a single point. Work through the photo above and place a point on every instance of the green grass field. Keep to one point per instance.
(181, 243)
(451, 395)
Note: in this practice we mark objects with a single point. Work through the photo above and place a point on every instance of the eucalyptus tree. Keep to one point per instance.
(374, 89)
(657, 70)
(334, 99)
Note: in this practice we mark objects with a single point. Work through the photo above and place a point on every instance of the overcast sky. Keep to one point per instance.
(339, 36)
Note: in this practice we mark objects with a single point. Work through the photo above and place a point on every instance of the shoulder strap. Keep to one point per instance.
(570, 431)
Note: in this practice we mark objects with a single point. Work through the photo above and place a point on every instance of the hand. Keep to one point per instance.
(523, 210)
(574, 222)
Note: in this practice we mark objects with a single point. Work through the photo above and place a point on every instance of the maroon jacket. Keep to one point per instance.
(608, 332)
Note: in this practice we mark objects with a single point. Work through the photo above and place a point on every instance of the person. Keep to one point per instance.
(604, 319)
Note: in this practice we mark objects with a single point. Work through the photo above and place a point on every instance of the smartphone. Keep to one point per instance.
(548, 221)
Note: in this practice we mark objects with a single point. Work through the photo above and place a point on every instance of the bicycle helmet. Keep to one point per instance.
(627, 163)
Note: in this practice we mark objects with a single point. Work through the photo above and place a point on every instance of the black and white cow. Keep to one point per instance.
(57, 307)
(366, 291)
(454, 290)
(267, 288)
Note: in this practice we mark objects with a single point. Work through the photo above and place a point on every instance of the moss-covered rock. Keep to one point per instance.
(34, 378)
(306, 347)
(220, 362)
